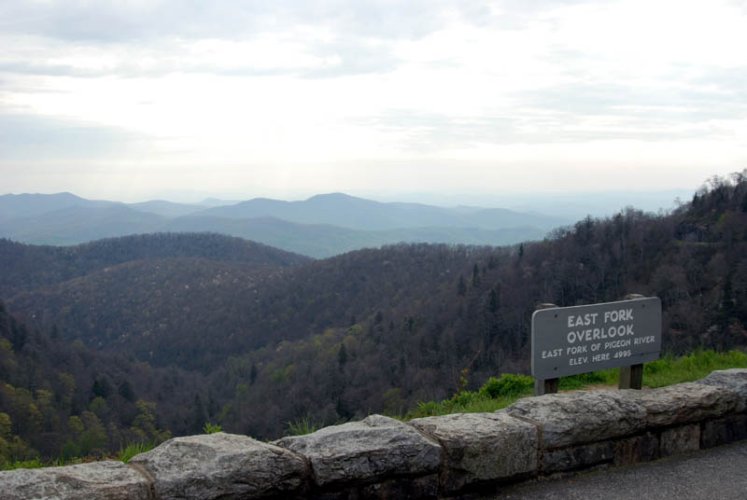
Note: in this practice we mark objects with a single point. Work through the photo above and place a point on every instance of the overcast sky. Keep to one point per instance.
(132, 100)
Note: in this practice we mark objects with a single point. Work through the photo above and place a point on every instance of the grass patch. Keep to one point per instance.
(495, 394)
(675, 370)
(33, 463)
(124, 455)
(500, 392)
(602, 377)
(132, 449)
(302, 427)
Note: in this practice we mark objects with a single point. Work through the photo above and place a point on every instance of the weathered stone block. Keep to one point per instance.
(577, 457)
(724, 430)
(575, 418)
(482, 447)
(683, 403)
(221, 466)
(680, 440)
(375, 449)
(633, 450)
(109, 479)
(734, 380)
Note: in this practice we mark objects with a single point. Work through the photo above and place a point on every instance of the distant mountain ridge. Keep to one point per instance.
(32, 204)
(321, 226)
(358, 213)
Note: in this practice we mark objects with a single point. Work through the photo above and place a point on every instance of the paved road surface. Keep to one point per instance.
(718, 474)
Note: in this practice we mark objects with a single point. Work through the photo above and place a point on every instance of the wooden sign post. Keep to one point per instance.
(550, 385)
(631, 377)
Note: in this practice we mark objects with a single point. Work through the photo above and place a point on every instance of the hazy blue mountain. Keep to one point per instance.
(502, 218)
(314, 240)
(76, 224)
(322, 226)
(357, 213)
(569, 205)
(166, 208)
(324, 240)
(27, 205)
(577, 206)
(216, 202)
(464, 235)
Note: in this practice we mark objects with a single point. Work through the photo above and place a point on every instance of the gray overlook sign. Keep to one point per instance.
(580, 339)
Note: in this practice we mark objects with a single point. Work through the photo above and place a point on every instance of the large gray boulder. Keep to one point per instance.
(374, 449)
(481, 447)
(734, 380)
(109, 479)
(683, 403)
(574, 418)
(221, 466)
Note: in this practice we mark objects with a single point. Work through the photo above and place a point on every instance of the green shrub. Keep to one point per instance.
(507, 385)
(463, 399)
(210, 428)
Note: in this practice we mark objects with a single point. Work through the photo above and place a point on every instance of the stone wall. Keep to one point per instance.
(433, 457)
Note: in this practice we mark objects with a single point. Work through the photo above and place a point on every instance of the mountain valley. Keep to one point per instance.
(211, 328)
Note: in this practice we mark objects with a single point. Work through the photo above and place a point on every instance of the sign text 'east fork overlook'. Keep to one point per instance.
(572, 340)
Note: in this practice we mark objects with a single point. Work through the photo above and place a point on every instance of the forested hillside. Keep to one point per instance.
(26, 267)
(280, 339)
(155, 296)
(431, 333)
(63, 400)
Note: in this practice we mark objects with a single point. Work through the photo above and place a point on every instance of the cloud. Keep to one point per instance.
(25, 137)
(468, 86)
(148, 19)
(730, 83)
(589, 111)
(76, 20)
(339, 37)
(46, 69)
(425, 132)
